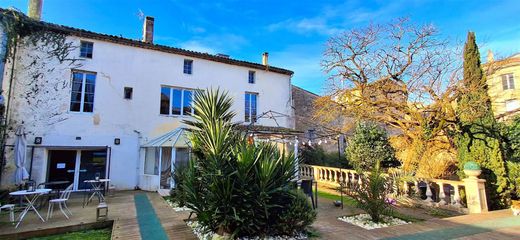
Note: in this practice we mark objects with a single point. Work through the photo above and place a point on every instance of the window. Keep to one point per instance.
(512, 105)
(251, 78)
(128, 92)
(82, 96)
(188, 66)
(250, 107)
(151, 161)
(86, 49)
(508, 81)
(176, 101)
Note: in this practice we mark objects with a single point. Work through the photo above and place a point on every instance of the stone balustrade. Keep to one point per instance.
(433, 192)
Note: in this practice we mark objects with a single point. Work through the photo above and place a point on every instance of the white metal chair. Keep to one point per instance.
(10, 208)
(62, 202)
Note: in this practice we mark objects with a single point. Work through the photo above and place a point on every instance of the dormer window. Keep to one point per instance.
(86, 49)
(251, 78)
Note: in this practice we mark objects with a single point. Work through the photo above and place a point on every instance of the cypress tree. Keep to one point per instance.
(480, 140)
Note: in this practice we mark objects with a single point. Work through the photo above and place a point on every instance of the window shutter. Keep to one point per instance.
(511, 82)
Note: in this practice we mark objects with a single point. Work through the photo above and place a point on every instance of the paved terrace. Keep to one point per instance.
(142, 215)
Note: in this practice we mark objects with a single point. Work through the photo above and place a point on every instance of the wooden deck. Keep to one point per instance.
(121, 213)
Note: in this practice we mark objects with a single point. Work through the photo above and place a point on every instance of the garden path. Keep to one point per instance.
(493, 225)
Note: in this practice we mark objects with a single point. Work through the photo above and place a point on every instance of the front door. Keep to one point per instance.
(62, 165)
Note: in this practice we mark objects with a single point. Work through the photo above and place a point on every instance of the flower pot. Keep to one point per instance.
(473, 174)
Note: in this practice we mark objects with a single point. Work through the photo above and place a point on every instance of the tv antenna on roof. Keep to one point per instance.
(140, 14)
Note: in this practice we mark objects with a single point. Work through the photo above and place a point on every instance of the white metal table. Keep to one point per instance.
(31, 198)
(97, 188)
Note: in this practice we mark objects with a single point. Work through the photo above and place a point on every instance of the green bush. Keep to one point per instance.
(236, 188)
(371, 194)
(514, 176)
(369, 145)
(298, 216)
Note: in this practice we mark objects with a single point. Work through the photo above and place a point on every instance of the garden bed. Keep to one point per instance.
(364, 221)
(204, 234)
(175, 205)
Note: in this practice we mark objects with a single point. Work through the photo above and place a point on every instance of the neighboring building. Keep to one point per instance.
(310, 128)
(503, 79)
(113, 107)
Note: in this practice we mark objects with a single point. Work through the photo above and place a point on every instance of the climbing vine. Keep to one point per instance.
(36, 55)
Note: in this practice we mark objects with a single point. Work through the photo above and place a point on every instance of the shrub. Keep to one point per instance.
(371, 195)
(236, 188)
(369, 145)
(514, 176)
(298, 216)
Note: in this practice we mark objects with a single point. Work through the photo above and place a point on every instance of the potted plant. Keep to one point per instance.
(472, 169)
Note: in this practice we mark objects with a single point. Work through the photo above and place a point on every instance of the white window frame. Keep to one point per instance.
(246, 94)
(182, 101)
(83, 89)
(509, 79)
(511, 101)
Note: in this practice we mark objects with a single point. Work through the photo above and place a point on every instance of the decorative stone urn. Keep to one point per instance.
(472, 170)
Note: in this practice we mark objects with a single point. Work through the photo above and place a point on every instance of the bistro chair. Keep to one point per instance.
(10, 208)
(62, 202)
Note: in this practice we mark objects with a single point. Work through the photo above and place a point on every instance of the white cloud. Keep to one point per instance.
(304, 26)
(215, 43)
(197, 46)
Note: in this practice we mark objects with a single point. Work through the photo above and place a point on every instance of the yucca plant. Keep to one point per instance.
(235, 188)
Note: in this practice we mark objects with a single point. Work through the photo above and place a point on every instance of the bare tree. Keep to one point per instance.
(401, 75)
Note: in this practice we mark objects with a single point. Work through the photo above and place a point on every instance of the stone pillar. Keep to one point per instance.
(475, 194)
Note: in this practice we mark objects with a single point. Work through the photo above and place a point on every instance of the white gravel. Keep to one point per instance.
(364, 221)
(176, 206)
(204, 234)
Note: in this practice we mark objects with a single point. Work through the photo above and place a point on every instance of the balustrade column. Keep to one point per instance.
(442, 196)
(429, 193)
(456, 197)
(405, 188)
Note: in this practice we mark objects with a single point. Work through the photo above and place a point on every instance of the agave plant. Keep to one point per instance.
(237, 188)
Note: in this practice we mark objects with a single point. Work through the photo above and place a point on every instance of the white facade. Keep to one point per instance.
(41, 94)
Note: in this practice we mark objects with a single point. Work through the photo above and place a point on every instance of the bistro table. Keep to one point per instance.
(97, 188)
(31, 198)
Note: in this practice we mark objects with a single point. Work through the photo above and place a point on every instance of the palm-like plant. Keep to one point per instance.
(371, 195)
(236, 188)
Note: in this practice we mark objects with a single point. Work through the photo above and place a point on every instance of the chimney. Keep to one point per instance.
(490, 57)
(35, 9)
(265, 59)
(148, 29)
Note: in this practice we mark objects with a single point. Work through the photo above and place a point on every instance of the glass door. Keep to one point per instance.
(166, 170)
(92, 164)
(62, 165)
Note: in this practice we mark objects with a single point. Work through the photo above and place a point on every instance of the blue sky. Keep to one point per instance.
(293, 32)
